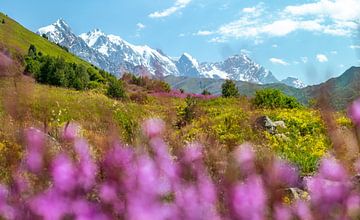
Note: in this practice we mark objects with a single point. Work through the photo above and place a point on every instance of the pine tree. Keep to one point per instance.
(228, 89)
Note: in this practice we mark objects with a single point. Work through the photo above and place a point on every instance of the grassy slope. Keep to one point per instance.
(220, 124)
(17, 38)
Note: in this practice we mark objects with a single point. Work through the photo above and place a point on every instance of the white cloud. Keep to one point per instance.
(335, 9)
(275, 46)
(304, 59)
(354, 47)
(203, 33)
(217, 40)
(334, 52)
(249, 10)
(140, 26)
(182, 35)
(278, 61)
(322, 58)
(179, 4)
(330, 17)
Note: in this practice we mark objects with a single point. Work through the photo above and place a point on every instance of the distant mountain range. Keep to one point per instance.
(117, 56)
(338, 91)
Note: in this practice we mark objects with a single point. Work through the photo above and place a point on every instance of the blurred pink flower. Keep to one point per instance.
(249, 199)
(302, 210)
(153, 127)
(283, 173)
(192, 152)
(331, 169)
(50, 205)
(282, 212)
(63, 173)
(354, 112)
(71, 131)
(245, 156)
(35, 140)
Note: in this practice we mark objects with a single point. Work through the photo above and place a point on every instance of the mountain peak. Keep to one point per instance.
(57, 32)
(91, 37)
(61, 23)
(190, 58)
(293, 82)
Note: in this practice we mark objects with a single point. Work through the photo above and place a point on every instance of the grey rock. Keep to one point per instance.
(265, 123)
(280, 124)
(297, 194)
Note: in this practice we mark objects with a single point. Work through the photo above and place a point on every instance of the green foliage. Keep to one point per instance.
(186, 112)
(57, 72)
(153, 85)
(129, 125)
(32, 51)
(62, 47)
(116, 89)
(228, 89)
(95, 75)
(45, 37)
(206, 92)
(273, 98)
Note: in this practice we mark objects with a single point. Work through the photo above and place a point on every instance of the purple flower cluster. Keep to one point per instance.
(354, 112)
(150, 183)
(183, 95)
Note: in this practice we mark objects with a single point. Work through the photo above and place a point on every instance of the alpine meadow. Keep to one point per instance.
(258, 119)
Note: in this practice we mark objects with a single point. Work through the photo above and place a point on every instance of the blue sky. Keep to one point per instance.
(310, 39)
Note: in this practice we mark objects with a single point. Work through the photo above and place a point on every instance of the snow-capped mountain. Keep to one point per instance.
(188, 66)
(294, 82)
(118, 56)
(129, 57)
(61, 33)
(240, 68)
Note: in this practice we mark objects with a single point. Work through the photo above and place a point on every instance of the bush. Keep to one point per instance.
(228, 89)
(153, 85)
(57, 72)
(45, 36)
(205, 92)
(139, 97)
(116, 89)
(274, 98)
(186, 113)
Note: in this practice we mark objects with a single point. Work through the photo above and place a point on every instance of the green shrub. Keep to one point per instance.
(186, 112)
(57, 72)
(116, 89)
(274, 98)
(205, 92)
(228, 89)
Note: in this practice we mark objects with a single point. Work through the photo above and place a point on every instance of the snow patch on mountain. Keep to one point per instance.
(117, 56)
(293, 82)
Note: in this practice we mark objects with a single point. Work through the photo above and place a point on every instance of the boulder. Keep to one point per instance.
(280, 124)
(297, 194)
(265, 123)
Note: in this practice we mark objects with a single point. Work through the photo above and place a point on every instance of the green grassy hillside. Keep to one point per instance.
(197, 85)
(17, 39)
(220, 124)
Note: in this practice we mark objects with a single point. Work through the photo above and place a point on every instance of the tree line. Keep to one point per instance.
(56, 71)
